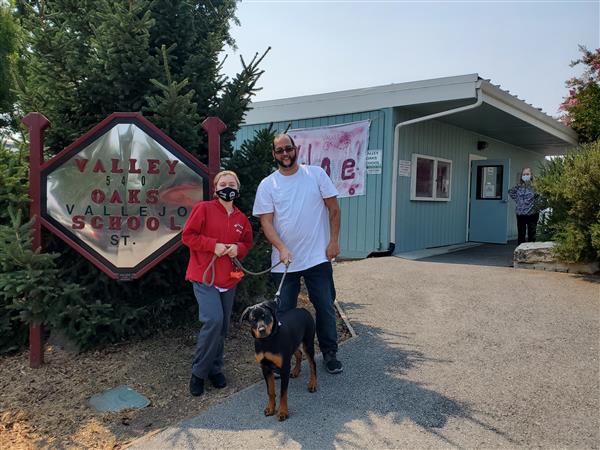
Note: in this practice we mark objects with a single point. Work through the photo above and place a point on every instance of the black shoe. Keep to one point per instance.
(331, 363)
(196, 386)
(218, 380)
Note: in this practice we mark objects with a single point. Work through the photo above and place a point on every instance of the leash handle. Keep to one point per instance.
(278, 293)
(211, 266)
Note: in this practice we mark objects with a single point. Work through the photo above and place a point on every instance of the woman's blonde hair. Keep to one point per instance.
(222, 173)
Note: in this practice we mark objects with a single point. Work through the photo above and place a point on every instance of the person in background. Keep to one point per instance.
(215, 232)
(526, 201)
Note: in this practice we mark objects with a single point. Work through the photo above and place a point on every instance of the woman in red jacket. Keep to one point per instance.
(215, 232)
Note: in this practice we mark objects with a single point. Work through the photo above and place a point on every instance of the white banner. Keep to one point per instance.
(341, 150)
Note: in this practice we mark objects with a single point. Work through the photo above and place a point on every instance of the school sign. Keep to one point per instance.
(120, 194)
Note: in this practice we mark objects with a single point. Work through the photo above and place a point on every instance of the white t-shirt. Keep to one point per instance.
(300, 216)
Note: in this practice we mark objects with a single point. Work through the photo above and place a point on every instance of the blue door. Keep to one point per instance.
(488, 217)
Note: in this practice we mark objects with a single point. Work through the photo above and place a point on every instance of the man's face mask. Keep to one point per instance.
(228, 194)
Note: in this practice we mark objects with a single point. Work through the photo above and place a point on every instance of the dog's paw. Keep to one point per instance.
(283, 414)
(269, 410)
(312, 386)
(294, 373)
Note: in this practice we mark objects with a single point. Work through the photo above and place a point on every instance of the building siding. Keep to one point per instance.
(423, 224)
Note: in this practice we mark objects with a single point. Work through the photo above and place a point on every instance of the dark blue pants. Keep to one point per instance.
(321, 292)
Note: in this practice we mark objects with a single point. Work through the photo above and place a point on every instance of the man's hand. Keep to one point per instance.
(232, 251)
(285, 256)
(220, 249)
(333, 249)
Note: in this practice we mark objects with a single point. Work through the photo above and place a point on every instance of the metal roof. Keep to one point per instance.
(502, 115)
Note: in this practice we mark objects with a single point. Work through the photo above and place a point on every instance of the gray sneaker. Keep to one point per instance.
(331, 363)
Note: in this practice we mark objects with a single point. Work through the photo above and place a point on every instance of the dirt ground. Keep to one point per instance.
(47, 407)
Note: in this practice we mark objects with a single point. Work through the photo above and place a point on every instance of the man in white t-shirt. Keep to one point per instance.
(300, 216)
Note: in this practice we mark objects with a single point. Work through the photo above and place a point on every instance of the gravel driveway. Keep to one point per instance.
(448, 356)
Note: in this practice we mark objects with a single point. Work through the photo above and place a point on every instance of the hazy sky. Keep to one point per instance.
(326, 46)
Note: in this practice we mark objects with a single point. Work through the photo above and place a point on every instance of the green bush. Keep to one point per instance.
(33, 289)
(14, 184)
(570, 187)
(28, 281)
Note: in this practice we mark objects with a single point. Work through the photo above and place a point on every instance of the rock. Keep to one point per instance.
(118, 399)
(541, 256)
(534, 252)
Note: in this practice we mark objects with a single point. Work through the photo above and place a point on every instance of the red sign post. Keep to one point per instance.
(119, 195)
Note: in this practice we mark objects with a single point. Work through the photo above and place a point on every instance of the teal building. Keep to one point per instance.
(446, 151)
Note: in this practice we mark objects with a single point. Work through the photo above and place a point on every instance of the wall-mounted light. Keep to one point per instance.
(482, 145)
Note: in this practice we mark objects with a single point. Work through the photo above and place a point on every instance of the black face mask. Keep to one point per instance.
(291, 163)
(228, 194)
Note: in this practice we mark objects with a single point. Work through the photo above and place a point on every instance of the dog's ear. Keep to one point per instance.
(246, 314)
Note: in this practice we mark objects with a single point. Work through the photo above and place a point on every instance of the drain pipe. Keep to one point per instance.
(397, 151)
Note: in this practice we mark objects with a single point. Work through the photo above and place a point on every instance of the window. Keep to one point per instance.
(431, 178)
(489, 182)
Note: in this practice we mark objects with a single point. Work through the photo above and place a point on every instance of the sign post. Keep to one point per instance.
(119, 195)
(37, 124)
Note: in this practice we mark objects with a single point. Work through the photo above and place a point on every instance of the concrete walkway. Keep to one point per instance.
(498, 255)
(448, 356)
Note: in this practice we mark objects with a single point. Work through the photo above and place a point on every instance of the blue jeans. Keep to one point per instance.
(321, 292)
(214, 311)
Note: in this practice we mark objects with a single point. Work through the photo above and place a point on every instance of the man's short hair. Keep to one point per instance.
(279, 136)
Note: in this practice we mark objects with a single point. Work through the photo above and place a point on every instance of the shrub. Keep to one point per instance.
(570, 186)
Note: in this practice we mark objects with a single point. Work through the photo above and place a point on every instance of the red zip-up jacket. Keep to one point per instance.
(208, 225)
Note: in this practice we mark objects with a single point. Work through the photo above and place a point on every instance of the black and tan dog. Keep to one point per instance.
(276, 339)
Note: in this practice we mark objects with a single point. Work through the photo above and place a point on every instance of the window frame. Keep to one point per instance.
(413, 179)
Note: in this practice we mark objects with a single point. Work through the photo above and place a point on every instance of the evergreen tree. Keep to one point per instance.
(87, 58)
(174, 112)
(8, 57)
(120, 71)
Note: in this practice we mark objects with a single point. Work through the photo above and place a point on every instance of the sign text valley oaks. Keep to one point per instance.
(118, 206)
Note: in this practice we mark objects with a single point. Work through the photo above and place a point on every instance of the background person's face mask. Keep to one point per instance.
(526, 178)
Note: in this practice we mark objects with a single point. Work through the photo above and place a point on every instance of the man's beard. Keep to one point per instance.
(287, 166)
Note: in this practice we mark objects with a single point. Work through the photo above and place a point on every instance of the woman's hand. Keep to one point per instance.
(232, 251)
(220, 249)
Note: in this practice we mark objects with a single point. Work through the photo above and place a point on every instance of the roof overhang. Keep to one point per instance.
(501, 115)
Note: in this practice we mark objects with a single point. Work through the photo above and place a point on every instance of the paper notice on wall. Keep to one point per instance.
(403, 168)
(374, 158)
